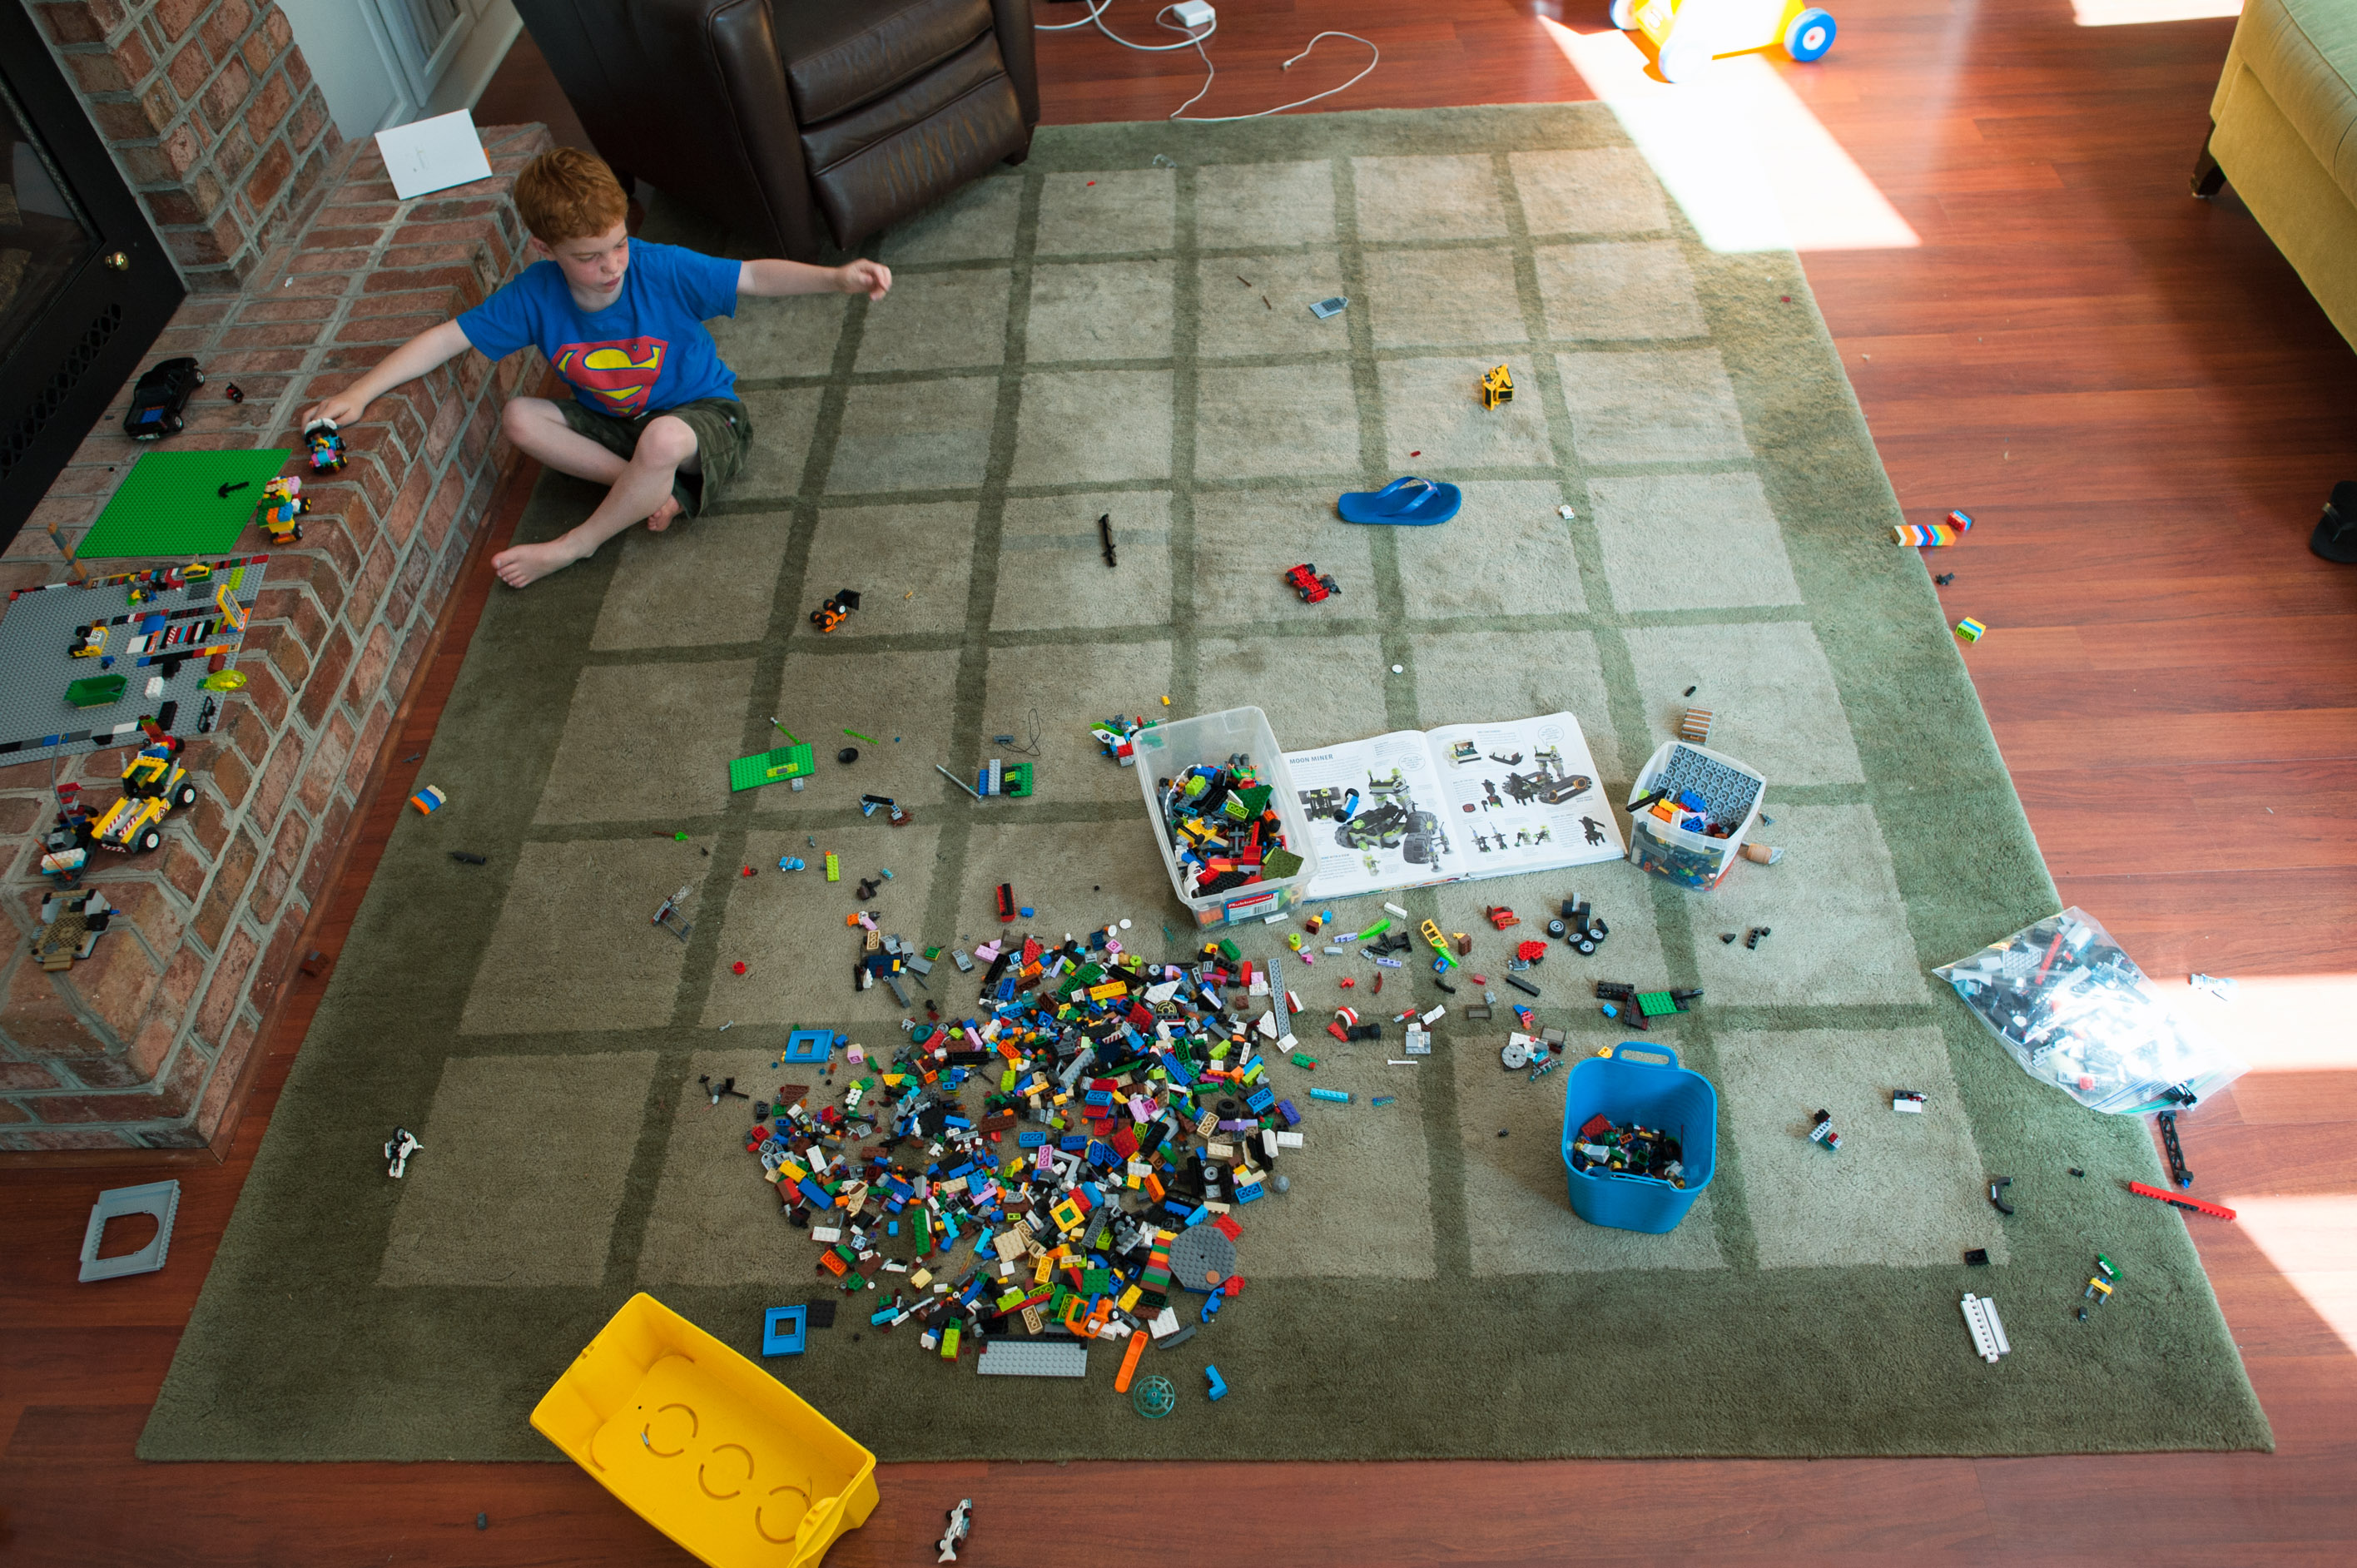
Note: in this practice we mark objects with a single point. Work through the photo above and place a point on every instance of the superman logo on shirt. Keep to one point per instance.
(619, 373)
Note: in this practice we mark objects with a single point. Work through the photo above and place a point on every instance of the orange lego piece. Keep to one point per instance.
(1130, 1357)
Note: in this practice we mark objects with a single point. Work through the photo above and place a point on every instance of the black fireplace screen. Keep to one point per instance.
(84, 284)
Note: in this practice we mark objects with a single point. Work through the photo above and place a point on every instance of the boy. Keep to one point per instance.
(653, 414)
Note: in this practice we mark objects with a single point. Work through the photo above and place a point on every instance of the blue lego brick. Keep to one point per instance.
(1031, 1138)
(815, 1192)
(784, 1330)
(811, 1045)
(1261, 1099)
(1073, 1143)
(1292, 1117)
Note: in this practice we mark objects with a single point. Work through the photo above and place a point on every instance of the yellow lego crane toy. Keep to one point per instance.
(1497, 387)
(1687, 34)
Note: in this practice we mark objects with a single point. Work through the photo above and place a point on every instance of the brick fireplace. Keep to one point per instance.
(303, 269)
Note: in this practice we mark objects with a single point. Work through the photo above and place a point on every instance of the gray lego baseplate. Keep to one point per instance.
(1197, 1255)
(37, 664)
(1034, 1358)
(1728, 794)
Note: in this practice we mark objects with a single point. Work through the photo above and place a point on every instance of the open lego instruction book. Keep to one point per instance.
(1452, 804)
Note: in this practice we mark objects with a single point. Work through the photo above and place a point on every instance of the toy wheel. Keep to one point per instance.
(199, 376)
(1683, 61)
(177, 425)
(1624, 15)
(185, 796)
(152, 839)
(1810, 35)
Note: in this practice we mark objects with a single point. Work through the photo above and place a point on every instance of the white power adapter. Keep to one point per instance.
(1193, 14)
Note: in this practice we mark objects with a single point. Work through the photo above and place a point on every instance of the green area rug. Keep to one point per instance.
(1096, 334)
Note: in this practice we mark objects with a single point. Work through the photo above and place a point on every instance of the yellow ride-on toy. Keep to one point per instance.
(1687, 35)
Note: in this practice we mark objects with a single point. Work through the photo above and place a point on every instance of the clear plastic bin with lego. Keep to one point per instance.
(1732, 790)
(1166, 749)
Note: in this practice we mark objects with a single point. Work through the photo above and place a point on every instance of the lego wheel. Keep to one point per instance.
(1682, 61)
(1809, 34)
(152, 839)
(198, 376)
(1624, 15)
(185, 796)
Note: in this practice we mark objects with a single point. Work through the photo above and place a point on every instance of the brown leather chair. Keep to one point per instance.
(772, 116)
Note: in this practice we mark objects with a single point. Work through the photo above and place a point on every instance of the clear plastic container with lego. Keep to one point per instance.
(1730, 792)
(1169, 749)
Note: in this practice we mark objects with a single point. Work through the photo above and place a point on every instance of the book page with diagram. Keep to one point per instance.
(1522, 796)
(1376, 819)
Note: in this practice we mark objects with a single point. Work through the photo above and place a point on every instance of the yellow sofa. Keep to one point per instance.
(2284, 129)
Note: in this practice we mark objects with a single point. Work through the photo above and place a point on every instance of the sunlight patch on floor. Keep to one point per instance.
(2129, 13)
(1753, 169)
(2299, 1023)
(2312, 1242)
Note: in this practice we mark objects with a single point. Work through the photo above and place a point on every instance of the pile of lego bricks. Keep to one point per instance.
(1224, 829)
(1140, 1120)
(1627, 1149)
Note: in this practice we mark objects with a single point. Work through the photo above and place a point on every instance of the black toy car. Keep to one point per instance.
(160, 398)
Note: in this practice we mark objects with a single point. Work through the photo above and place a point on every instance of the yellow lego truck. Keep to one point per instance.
(153, 784)
(1687, 34)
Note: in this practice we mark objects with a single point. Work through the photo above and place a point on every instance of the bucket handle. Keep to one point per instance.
(1644, 1053)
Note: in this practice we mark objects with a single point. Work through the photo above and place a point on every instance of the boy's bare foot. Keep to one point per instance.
(662, 516)
(524, 564)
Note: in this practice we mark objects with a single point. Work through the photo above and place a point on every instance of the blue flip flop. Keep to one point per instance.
(1408, 500)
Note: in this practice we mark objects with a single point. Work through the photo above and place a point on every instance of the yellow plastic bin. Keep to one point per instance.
(704, 1445)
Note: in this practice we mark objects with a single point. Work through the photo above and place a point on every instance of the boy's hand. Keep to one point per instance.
(873, 279)
(341, 407)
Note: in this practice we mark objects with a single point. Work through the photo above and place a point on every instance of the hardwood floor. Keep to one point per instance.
(2132, 392)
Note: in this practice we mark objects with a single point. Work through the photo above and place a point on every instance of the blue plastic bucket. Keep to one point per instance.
(1643, 1083)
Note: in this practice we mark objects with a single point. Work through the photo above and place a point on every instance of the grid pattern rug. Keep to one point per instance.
(1097, 333)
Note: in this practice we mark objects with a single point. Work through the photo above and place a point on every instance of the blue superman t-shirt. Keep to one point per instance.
(646, 352)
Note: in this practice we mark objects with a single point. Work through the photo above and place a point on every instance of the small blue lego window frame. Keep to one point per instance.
(785, 1330)
(810, 1044)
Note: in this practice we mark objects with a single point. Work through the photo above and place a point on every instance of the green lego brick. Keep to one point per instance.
(1015, 782)
(1654, 1004)
(170, 504)
(771, 768)
(96, 691)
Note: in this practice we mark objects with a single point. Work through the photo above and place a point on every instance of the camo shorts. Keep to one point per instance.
(723, 434)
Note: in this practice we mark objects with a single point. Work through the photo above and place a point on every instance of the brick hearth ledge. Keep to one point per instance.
(144, 1043)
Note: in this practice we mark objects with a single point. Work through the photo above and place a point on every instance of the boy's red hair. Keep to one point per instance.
(568, 194)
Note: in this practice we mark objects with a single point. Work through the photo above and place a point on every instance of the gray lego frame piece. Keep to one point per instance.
(1198, 1251)
(36, 668)
(1034, 1358)
(160, 1199)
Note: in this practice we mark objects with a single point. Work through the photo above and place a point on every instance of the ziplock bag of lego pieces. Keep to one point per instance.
(2077, 1013)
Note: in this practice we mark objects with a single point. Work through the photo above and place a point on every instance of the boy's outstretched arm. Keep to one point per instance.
(770, 279)
(432, 348)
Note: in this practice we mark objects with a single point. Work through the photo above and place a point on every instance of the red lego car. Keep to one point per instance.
(1309, 585)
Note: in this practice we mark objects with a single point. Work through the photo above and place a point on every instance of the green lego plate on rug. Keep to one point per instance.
(170, 504)
(771, 768)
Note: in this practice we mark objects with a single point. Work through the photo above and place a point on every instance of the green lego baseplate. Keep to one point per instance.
(771, 768)
(1654, 1004)
(171, 506)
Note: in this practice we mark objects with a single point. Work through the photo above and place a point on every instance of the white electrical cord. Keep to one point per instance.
(1195, 40)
